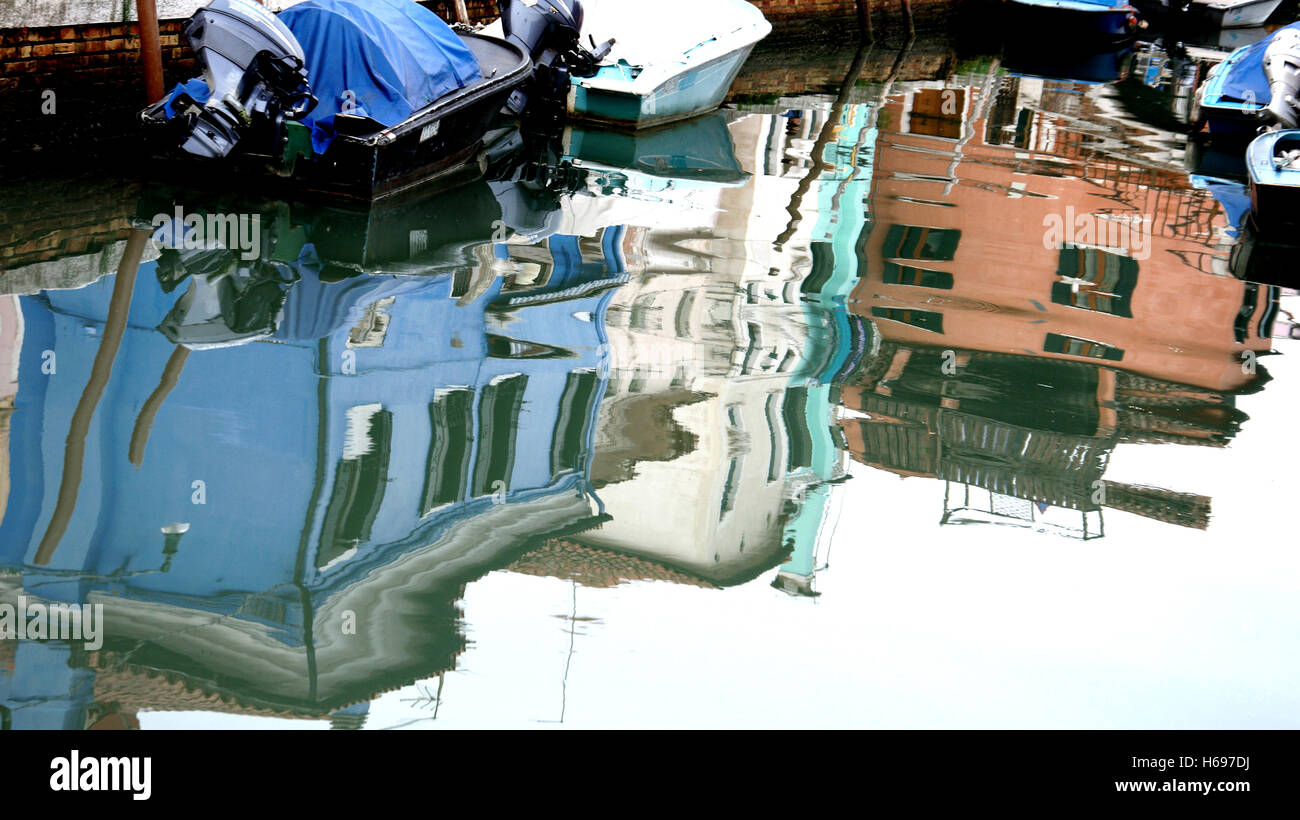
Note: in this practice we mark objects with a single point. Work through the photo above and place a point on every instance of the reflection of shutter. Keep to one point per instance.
(797, 436)
(1107, 281)
(1072, 346)
(359, 482)
(896, 274)
(498, 423)
(773, 413)
(915, 242)
(447, 468)
(823, 266)
(924, 319)
(572, 425)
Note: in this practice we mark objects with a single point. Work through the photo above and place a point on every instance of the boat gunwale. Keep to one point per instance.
(455, 101)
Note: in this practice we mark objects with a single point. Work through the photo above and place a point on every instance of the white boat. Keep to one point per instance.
(1235, 13)
(671, 59)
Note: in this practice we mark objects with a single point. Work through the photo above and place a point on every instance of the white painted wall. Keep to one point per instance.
(40, 13)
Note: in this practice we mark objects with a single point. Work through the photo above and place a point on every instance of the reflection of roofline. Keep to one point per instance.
(598, 567)
(172, 667)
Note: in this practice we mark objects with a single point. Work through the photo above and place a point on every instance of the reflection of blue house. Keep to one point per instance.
(385, 446)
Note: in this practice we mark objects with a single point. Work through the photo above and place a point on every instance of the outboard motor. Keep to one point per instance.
(1282, 67)
(550, 32)
(253, 66)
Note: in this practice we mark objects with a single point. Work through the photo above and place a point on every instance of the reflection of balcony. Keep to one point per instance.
(961, 506)
(1026, 440)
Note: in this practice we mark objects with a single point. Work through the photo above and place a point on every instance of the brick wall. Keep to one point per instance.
(101, 55)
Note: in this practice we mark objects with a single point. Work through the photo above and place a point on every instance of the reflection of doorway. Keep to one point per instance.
(936, 112)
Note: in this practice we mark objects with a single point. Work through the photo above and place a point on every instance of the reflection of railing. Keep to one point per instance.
(1008, 510)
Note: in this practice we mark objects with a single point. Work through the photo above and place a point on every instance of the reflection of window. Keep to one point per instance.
(896, 274)
(447, 468)
(937, 112)
(359, 482)
(498, 422)
(1072, 346)
(913, 242)
(373, 325)
(572, 425)
(924, 319)
(798, 439)
(823, 267)
(1100, 281)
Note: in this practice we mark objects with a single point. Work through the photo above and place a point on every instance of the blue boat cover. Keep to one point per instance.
(1233, 197)
(1246, 81)
(1110, 4)
(383, 59)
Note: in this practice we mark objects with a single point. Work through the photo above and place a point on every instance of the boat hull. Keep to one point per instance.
(1085, 22)
(694, 91)
(1274, 192)
(439, 144)
(1239, 15)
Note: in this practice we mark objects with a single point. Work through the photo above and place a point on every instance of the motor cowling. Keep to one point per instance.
(550, 32)
(1282, 68)
(254, 69)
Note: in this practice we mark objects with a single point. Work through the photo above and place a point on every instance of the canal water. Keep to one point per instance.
(939, 392)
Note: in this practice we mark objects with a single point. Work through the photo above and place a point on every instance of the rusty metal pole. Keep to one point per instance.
(150, 50)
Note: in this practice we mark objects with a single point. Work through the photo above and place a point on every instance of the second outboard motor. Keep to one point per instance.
(550, 32)
(253, 67)
(1282, 67)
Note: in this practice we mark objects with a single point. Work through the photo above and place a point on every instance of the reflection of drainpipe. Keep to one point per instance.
(144, 422)
(74, 455)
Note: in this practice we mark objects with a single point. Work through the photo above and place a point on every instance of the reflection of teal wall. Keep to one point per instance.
(836, 236)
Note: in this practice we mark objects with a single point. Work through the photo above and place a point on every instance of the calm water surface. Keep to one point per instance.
(935, 403)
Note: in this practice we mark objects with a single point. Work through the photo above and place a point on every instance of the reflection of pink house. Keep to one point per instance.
(961, 255)
(11, 342)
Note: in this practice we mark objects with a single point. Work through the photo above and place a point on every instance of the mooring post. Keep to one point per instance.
(150, 50)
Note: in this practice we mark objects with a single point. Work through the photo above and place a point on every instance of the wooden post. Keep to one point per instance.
(462, 13)
(150, 50)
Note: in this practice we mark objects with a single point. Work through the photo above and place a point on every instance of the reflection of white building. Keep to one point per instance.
(706, 438)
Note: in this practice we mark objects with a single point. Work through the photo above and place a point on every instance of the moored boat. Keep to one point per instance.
(1235, 95)
(360, 100)
(1086, 20)
(1233, 13)
(670, 60)
(1273, 160)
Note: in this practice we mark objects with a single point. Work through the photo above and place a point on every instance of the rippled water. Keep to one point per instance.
(926, 403)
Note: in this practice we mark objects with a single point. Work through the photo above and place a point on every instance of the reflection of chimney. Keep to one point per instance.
(1183, 509)
(800, 586)
(348, 719)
